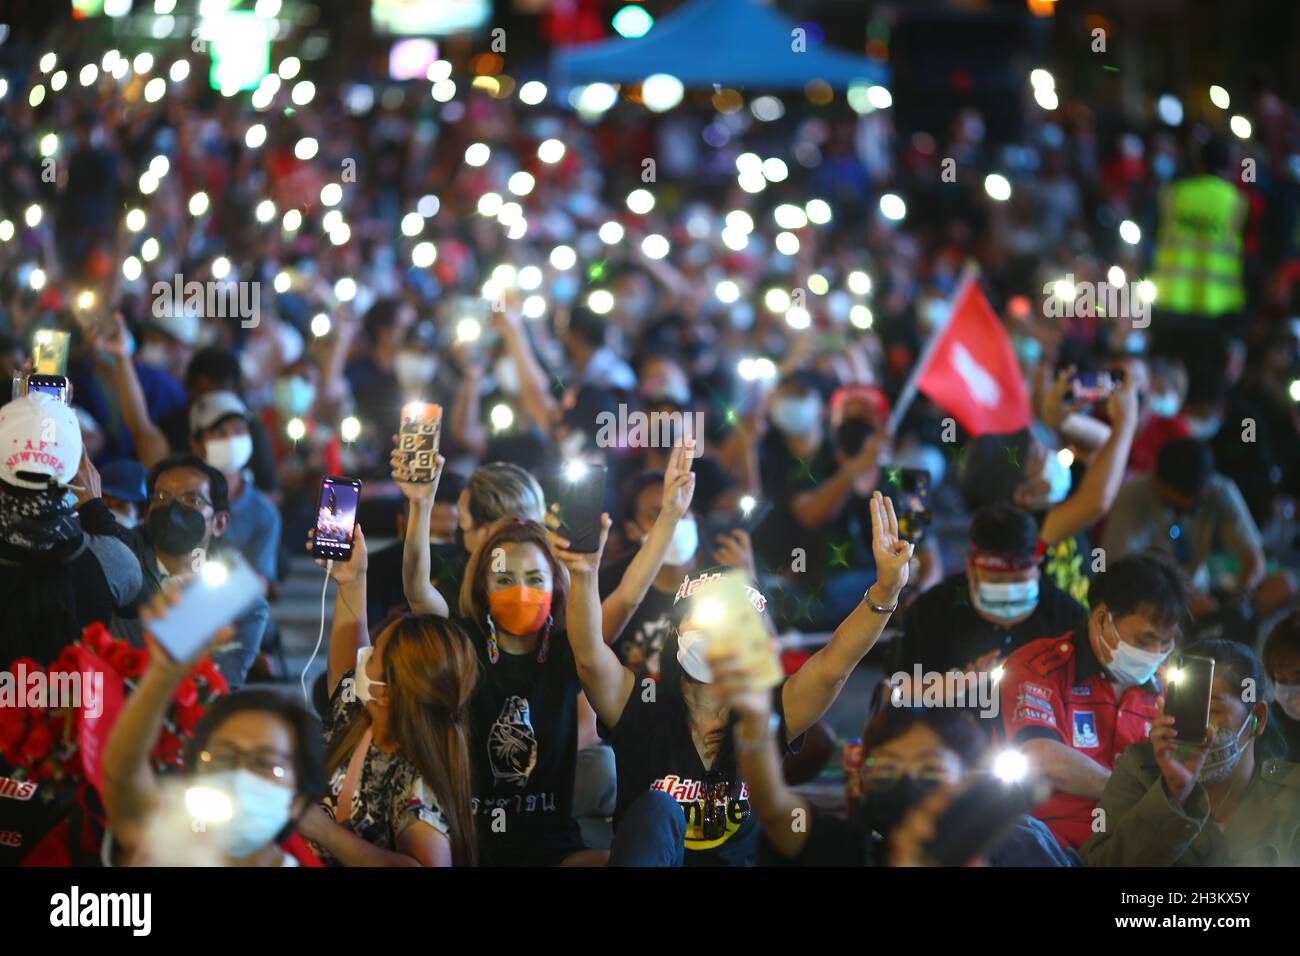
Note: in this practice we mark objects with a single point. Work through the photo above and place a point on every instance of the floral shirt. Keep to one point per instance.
(391, 794)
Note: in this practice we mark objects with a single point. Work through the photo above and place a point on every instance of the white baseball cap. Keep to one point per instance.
(40, 442)
(215, 407)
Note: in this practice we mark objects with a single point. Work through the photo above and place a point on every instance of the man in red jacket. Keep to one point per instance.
(1073, 703)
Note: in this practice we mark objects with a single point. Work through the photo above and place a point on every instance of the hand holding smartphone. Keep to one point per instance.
(1093, 387)
(581, 497)
(56, 385)
(909, 488)
(50, 352)
(221, 590)
(736, 627)
(1189, 684)
(336, 518)
(418, 437)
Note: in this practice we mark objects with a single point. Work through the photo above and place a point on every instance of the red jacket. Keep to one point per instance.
(1056, 688)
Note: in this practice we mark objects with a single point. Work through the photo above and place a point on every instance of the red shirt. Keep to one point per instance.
(1056, 688)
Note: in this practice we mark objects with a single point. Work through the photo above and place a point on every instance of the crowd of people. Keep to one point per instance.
(493, 695)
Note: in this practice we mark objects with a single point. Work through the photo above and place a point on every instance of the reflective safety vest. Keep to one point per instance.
(1199, 249)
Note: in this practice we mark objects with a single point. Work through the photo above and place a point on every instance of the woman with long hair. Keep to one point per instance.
(397, 737)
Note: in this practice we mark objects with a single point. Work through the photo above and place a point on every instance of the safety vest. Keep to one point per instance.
(1198, 254)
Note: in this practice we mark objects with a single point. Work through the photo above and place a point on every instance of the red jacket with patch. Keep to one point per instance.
(1056, 688)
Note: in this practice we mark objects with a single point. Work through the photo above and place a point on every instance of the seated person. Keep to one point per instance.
(1074, 702)
(1227, 801)
(122, 485)
(975, 619)
(1191, 512)
(908, 753)
(187, 516)
(219, 434)
(1282, 663)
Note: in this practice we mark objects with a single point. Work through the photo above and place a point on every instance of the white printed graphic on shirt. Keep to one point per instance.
(512, 745)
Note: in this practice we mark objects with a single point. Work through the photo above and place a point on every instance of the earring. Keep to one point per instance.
(494, 651)
(546, 639)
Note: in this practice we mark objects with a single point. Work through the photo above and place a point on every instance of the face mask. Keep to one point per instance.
(414, 369)
(1288, 698)
(175, 529)
(1202, 429)
(228, 455)
(685, 542)
(1135, 343)
(884, 808)
(1224, 751)
(852, 434)
(294, 396)
(1006, 601)
(520, 610)
(1058, 479)
(362, 679)
(155, 353)
(260, 809)
(1165, 405)
(124, 519)
(1134, 666)
(1028, 349)
(795, 416)
(507, 375)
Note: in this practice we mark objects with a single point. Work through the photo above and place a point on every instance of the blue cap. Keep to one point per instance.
(124, 479)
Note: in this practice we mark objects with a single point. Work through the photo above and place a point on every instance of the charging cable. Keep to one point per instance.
(329, 566)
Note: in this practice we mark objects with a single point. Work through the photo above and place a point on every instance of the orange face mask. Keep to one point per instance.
(520, 610)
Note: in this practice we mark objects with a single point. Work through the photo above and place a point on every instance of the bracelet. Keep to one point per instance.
(876, 607)
(750, 746)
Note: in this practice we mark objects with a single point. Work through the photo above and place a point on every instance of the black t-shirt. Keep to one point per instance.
(653, 750)
(943, 631)
(524, 752)
(641, 644)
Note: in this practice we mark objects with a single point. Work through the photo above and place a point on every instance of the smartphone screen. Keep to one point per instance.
(581, 494)
(1094, 386)
(909, 489)
(336, 517)
(417, 438)
(50, 352)
(55, 385)
(1187, 697)
(219, 593)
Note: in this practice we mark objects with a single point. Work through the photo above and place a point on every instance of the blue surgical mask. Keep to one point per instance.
(1132, 665)
(294, 396)
(1006, 600)
(1028, 349)
(795, 416)
(1164, 405)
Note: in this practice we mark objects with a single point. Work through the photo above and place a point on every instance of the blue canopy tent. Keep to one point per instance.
(735, 43)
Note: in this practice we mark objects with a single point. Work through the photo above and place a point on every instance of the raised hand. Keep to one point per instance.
(892, 553)
(345, 572)
(577, 562)
(400, 463)
(679, 480)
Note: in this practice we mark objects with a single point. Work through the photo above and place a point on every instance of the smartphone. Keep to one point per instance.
(336, 518)
(50, 352)
(1187, 697)
(725, 608)
(981, 815)
(746, 518)
(909, 489)
(581, 495)
(56, 385)
(417, 438)
(221, 590)
(1095, 386)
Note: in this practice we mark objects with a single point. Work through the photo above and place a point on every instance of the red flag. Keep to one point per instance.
(971, 372)
(99, 716)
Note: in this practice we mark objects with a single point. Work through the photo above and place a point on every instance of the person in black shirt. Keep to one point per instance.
(1282, 662)
(680, 796)
(974, 619)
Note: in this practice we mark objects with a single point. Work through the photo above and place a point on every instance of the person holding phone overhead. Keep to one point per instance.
(396, 736)
(680, 797)
(1229, 800)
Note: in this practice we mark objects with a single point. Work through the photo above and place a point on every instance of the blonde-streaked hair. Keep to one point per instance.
(431, 671)
(473, 589)
(502, 490)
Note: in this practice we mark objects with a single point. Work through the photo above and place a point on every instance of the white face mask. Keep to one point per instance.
(415, 369)
(1134, 666)
(125, 520)
(155, 353)
(260, 809)
(795, 416)
(228, 455)
(362, 679)
(1006, 600)
(685, 542)
(1288, 698)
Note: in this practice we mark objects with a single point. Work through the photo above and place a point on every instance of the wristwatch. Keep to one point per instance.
(876, 607)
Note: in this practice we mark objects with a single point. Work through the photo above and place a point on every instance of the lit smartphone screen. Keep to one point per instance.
(336, 518)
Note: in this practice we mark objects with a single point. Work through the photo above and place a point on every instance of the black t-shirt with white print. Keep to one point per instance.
(653, 750)
(524, 752)
(640, 646)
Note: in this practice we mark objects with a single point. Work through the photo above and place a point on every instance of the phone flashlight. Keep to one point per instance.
(502, 418)
(86, 299)
(350, 429)
(575, 471)
(468, 330)
(208, 804)
(214, 573)
(296, 428)
(1173, 675)
(708, 612)
(1011, 766)
(747, 504)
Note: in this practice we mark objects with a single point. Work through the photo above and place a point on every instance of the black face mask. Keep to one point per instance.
(175, 529)
(852, 433)
(884, 808)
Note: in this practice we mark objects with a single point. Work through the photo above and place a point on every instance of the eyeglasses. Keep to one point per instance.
(882, 775)
(190, 499)
(273, 766)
